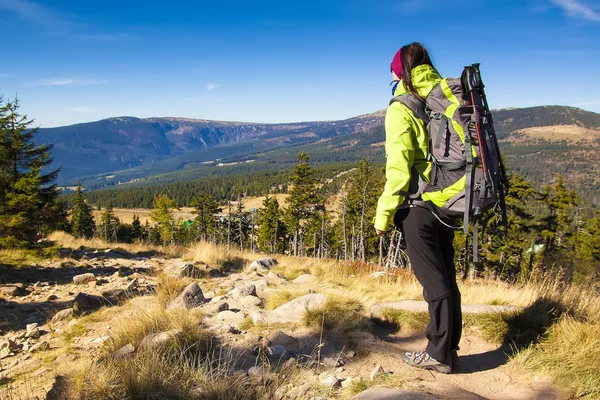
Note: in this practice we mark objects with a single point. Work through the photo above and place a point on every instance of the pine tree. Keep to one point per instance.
(271, 230)
(82, 220)
(205, 206)
(137, 231)
(27, 196)
(107, 229)
(162, 214)
(303, 198)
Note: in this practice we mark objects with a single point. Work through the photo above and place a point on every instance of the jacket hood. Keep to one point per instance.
(424, 78)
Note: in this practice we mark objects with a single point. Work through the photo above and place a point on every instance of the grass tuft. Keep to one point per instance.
(338, 314)
(280, 297)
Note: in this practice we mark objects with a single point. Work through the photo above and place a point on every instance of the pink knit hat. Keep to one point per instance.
(396, 66)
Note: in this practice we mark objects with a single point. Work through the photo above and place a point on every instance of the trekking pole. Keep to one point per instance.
(470, 86)
(481, 87)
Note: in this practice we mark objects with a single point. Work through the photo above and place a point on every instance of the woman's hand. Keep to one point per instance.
(380, 233)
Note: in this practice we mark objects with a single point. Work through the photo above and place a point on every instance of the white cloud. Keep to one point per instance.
(68, 82)
(578, 9)
(211, 86)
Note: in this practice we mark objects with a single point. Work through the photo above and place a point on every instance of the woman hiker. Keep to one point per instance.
(428, 241)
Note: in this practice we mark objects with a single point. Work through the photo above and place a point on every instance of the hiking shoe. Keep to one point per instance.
(421, 359)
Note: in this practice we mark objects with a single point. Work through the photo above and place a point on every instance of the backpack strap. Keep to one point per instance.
(414, 104)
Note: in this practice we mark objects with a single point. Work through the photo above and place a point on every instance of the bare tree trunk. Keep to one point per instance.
(229, 225)
(345, 236)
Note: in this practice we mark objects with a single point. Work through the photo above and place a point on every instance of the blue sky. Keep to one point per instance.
(73, 61)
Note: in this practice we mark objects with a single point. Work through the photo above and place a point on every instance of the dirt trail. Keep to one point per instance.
(482, 372)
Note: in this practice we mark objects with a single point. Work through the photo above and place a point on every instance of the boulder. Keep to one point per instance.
(13, 289)
(32, 331)
(291, 311)
(380, 393)
(331, 381)
(122, 352)
(63, 315)
(87, 302)
(305, 279)
(262, 265)
(115, 296)
(241, 291)
(231, 318)
(190, 271)
(281, 338)
(155, 340)
(41, 346)
(8, 344)
(191, 297)
(84, 278)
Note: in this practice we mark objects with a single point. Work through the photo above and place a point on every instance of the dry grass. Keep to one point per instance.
(169, 287)
(338, 314)
(69, 241)
(20, 257)
(282, 296)
(213, 254)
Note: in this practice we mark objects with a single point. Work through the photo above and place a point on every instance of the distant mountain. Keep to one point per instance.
(125, 142)
(538, 142)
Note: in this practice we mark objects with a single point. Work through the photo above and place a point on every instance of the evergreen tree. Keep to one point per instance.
(271, 230)
(107, 229)
(205, 206)
(137, 231)
(303, 198)
(162, 214)
(360, 206)
(82, 220)
(27, 196)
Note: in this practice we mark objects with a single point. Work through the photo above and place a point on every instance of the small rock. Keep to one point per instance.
(332, 381)
(377, 371)
(278, 351)
(87, 302)
(190, 271)
(242, 291)
(279, 337)
(84, 278)
(52, 297)
(11, 290)
(339, 370)
(115, 296)
(191, 297)
(8, 344)
(159, 339)
(262, 265)
(379, 274)
(332, 362)
(305, 279)
(41, 346)
(346, 383)
(122, 352)
(32, 331)
(351, 354)
(63, 315)
(258, 370)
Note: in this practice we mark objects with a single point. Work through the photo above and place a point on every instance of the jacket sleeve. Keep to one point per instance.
(400, 152)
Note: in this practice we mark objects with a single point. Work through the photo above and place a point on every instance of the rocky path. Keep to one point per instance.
(42, 303)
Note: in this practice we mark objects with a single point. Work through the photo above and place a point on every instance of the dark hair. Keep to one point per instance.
(413, 55)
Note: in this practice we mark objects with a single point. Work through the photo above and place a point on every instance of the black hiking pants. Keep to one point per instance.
(430, 251)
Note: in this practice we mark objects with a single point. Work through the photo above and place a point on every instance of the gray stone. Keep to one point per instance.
(241, 291)
(346, 383)
(291, 311)
(191, 297)
(32, 331)
(332, 362)
(115, 296)
(331, 381)
(376, 372)
(380, 393)
(351, 354)
(246, 303)
(262, 265)
(12, 290)
(232, 318)
(8, 344)
(190, 271)
(275, 277)
(278, 351)
(123, 352)
(378, 310)
(84, 278)
(159, 339)
(41, 346)
(259, 370)
(279, 337)
(63, 315)
(87, 302)
(305, 279)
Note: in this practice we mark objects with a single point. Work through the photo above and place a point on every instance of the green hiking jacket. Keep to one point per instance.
(406, 147)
